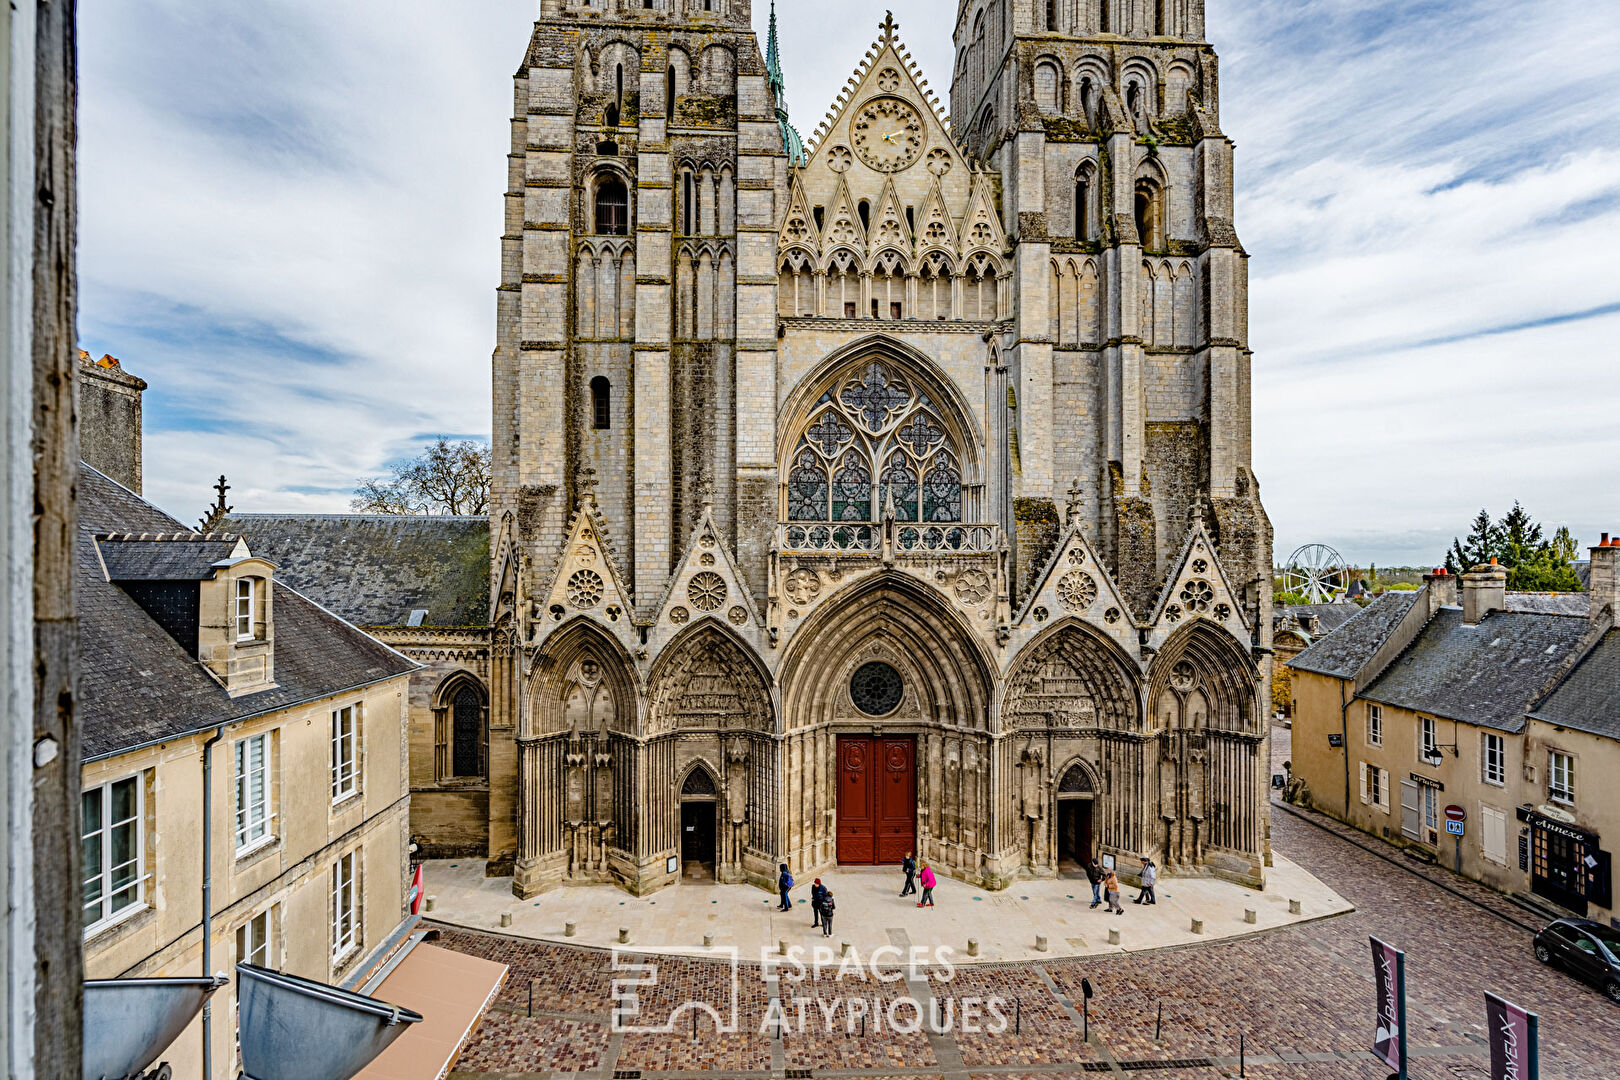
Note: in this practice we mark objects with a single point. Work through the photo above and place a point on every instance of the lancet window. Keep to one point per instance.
(875, 446)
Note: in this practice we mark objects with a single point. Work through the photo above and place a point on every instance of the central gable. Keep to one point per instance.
(866, 140)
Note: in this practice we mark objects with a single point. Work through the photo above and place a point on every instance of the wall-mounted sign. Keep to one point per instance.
(671, 865)
(1336, 741)
(1456, 813)
(1455, 828)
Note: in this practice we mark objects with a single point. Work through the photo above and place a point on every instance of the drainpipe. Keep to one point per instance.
(208, 897)
(1344, 738)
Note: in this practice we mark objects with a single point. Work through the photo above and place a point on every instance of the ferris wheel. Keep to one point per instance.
(1318, 573)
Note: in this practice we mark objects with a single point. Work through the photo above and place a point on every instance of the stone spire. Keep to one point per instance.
(791, 141)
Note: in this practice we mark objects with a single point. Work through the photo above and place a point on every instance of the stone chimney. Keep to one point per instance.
(1603, 587)
(1484, 590)
(1441, 589)
(110, 419)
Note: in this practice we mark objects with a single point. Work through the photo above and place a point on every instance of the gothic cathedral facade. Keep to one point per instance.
(890, 493)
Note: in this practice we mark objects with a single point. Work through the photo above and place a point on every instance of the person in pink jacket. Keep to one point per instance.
(926, 879)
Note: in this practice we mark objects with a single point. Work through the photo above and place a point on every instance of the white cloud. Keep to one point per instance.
(291, 213)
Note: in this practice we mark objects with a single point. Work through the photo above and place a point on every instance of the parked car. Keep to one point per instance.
(1589, 950)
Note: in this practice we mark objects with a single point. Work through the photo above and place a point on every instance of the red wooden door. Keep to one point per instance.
(877, 799)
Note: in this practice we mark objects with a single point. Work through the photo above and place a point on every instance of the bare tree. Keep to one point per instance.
(446, 478)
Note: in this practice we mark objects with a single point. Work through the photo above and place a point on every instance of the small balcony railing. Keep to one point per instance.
(867, 538)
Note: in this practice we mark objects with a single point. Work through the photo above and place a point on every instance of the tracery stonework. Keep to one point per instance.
(798, 486)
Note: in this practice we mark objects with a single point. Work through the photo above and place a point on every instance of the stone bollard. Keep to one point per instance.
(506, 918)
(973, 946)
(569, 929)
(1294, 907)
(708, 941)
(624, 935)
(1113, 936)
(843, 948)
(430, 903)
(782, 946)
(1040, 942)
(1251, 916)
(1198, 926)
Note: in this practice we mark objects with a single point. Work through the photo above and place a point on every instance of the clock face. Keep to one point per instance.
(888, 134)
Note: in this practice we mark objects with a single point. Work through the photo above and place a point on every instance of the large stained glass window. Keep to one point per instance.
(874, 445)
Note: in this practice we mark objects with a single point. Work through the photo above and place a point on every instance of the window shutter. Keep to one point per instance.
(1383, 790)
(1493, 834)
(1364, 799)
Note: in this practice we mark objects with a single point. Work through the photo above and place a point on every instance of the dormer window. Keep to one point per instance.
(244, 609)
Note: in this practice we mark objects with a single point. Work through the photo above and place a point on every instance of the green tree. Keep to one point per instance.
(1518, 543)
(446, 478)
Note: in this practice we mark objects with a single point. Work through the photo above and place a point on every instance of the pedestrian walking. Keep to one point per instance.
(1150, 875)
(818, 893)
(1111, 890)
(784, 884)
(827, 907)
(927, 879)
(1094, 874)
(909, 865)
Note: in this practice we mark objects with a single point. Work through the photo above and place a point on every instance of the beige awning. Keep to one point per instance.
(451, 991)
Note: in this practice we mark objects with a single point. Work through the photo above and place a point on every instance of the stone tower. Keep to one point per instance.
(845, 504)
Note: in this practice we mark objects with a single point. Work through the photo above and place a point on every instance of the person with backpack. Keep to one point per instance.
(909, 865)
(818, 895)
(927, 879)
(827, 907)
(784, 883)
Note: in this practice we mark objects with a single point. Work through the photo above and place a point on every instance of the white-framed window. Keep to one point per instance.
(1493, 759)
(345, 753)
(244, 609)
(253, 941)
(1375, 786)
(111, 843)
(1493, 834)
(1375, 725)
(1561, 777)
(345, 908)
(252, 793)
(1428, 738)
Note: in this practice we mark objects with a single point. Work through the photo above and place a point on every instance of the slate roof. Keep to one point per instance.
(1489, 675)
(138, 686)
(1588, 699)
(1329, 617)
(1347, 650)
(1550, 603)
(175, 557)
(376, 569)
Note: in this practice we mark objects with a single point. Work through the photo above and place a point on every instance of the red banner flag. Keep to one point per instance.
(1389, 971)
(1512, 1032)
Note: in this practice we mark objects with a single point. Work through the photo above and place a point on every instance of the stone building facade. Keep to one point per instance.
(890, 496)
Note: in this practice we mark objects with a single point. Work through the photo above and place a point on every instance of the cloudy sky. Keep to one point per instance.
(291, 209)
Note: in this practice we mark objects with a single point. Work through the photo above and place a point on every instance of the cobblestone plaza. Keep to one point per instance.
(1298, 999)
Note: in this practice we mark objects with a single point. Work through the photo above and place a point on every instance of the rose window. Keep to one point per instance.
(876, 689)
(1197, 595)
(706, 591)
(1077, 590)
(585, 588)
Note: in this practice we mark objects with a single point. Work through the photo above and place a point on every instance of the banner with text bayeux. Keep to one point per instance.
(1389, 969)
(1513, 1040)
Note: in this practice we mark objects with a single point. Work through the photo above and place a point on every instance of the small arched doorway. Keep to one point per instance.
(1074, 801)
(699, 800)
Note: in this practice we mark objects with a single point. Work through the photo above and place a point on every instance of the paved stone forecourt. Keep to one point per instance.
(1009, 925)
(1298, 997)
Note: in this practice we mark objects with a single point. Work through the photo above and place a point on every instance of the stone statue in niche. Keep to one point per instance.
(1031, 788)
(737, 780)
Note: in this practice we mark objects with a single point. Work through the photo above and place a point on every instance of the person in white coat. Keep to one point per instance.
(1150, 876)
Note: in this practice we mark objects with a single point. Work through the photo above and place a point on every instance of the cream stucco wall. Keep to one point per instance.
(291, 876)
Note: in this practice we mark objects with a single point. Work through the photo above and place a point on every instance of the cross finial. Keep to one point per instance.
(889, 28)
(587, 483)
(1073, 509)
(219, 510)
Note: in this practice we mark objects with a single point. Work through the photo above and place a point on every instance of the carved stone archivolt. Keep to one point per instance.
(706, 682)
(1072, 678)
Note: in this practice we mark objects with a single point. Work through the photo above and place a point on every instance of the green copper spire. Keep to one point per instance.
(773, 68)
